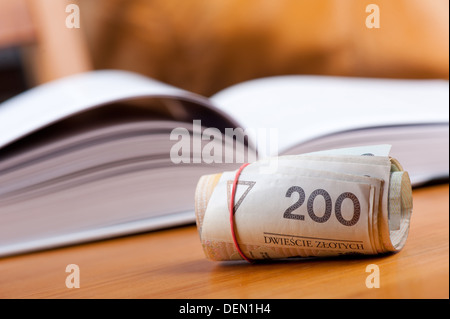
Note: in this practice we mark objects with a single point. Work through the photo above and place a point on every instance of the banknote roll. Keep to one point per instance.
(329, 203)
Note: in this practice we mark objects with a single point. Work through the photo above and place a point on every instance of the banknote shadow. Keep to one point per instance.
(305, 260)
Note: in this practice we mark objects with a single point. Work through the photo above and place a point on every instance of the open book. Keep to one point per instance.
(100, 154)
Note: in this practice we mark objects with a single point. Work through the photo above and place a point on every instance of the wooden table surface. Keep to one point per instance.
(170, 264)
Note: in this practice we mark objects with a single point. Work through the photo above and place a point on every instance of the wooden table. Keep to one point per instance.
(170, 264)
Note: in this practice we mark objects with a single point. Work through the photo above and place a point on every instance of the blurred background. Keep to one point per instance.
(204, 46)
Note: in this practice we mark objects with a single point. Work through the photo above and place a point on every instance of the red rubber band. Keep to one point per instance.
(233, 193)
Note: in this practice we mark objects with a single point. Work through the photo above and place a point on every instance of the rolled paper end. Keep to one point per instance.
(400, 205)
(205, 187)
(203, 192)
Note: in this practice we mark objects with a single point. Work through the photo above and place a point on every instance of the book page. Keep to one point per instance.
(302, 108)
(60, 99)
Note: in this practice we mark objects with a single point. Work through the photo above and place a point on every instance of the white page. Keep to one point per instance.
(305, 107)
(62, 98)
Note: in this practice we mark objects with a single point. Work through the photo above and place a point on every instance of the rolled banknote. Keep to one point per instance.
(328, 203)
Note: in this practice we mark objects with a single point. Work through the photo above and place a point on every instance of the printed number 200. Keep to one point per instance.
(328, 206)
